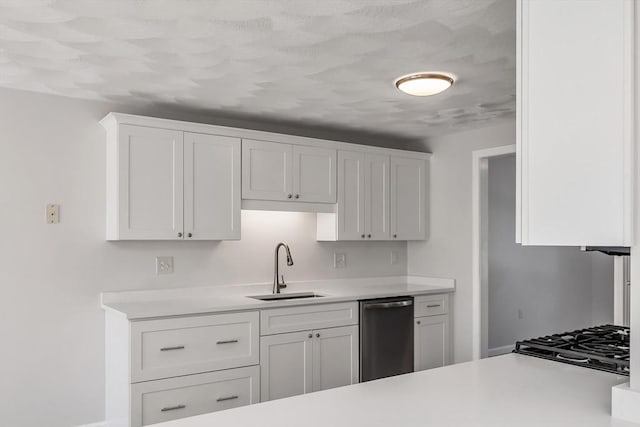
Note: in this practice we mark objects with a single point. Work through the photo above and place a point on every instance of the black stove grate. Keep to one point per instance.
(605, 348)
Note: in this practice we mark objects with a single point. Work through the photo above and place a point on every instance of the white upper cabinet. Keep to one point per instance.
(376, 180)
(408, 198)
(266, 170)
(168, 184)
(351, 197)
(314, 174)
(575, 122)
(146, 184)
(211, 187)
(379, 198)
(285, 172)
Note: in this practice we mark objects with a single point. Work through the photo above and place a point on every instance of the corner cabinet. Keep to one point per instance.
(165, 184)
(575, 122)
(286, 172)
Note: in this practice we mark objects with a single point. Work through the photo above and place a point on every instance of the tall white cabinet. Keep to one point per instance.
(171, 184)
(575, 123)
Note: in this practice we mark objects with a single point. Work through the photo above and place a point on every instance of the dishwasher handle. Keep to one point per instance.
(393, 304)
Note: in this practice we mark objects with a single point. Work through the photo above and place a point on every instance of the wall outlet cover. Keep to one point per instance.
(164, 265)
(53, 213)
(393, 257)
(339, 260)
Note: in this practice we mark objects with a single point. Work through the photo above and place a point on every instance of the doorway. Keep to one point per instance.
(523, 291)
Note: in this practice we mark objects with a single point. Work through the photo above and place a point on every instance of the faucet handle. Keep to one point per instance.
(282, 283)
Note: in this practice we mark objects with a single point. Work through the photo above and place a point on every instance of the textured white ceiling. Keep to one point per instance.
(325, 62)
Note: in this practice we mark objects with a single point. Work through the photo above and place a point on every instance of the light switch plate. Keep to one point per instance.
(393, 258)
(164, 265)
(339, 260)
(53, 214)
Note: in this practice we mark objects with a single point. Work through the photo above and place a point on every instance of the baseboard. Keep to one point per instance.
(497, 351)
(99, 424)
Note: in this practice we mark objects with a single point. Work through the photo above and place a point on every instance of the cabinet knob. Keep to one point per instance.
(179, 234)
(418, 322)
(317, 335)
(297, 196)
(363, 236)
(189, 235)
(395, 235)
(289, 196)
(369, 236)
(310, 335)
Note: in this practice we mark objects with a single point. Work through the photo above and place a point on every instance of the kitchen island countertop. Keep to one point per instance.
(509, 390)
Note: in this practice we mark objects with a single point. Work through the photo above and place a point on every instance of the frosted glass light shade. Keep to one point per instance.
(424, 84)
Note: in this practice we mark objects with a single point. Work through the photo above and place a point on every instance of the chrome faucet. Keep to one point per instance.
(277, 284)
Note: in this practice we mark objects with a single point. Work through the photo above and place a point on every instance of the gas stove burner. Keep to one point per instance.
(574, 359)
(604, 347)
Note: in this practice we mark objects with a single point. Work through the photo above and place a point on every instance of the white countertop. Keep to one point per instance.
(137, 305)
(510, 390)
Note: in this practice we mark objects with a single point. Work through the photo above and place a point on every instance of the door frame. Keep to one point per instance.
(479, 227)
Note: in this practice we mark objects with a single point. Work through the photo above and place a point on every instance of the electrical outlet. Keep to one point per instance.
(393, 258)
(520, 316)
(339, 260)
(164, 265)
(53, 214)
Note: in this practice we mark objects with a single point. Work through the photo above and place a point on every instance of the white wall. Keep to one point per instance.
(447, 253)
(555, 288)
(51, 325)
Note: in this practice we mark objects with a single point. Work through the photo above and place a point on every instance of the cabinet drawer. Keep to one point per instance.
(190, 345)
(431, 305)
(165, 400)
(291, 319)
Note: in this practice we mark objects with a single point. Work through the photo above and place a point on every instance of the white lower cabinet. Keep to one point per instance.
(169, 399)
(431, 342)
(301, 362)
(285, 365)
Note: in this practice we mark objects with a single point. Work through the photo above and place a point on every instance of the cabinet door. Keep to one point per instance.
(351, 195)
(266, 170)
(150, 183)
(408, 198)
(575, 134)
(314, 174)
(431, 343)
(377, 197)
(211, 187)
(335, 357)
(285, 365)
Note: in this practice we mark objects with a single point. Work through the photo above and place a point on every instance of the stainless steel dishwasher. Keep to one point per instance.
(386, 337)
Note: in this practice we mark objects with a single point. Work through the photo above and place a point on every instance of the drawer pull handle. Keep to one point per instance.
(227, 342)
(178, 347)
(224, 399)
(433, 305)
(173, 408)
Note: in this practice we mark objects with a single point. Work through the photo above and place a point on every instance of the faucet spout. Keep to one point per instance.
(277, 285)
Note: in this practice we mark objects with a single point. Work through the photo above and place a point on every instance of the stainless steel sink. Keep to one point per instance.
(293, 295)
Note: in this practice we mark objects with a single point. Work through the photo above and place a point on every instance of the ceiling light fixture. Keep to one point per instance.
(425, 84)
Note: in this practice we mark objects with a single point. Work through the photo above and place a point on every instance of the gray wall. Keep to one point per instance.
(555, 288)
(51, 324)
